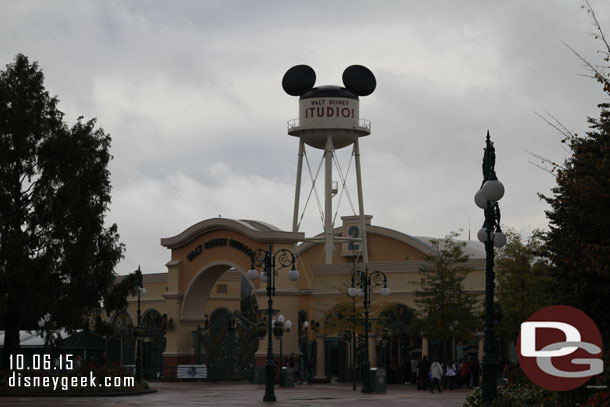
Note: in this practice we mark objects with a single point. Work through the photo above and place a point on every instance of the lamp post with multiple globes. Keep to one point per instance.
(363, 284)
(491, 235)
(279, 327)
(271, 263)
(138, 331)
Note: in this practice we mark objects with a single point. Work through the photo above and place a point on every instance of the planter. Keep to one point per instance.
(261, 330)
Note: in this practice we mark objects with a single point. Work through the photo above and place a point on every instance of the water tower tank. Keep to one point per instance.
(329, 111)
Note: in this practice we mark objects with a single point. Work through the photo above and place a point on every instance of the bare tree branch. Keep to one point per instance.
(600, 32)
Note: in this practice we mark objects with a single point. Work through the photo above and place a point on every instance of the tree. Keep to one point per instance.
(348, 312)
(56, 255)
(248, 305)
(578, 242)
(523, 282)
(446, 310)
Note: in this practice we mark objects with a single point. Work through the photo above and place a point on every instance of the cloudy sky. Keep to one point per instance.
(191, 93)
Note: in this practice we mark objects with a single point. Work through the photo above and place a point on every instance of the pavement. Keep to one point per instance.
(245, 394)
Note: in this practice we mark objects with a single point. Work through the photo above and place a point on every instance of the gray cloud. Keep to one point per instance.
(190, 92)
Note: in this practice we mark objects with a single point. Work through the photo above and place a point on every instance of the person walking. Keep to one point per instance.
(413, 376)
(423, 367)
(436, 372)
(465, 374)
(309, 366)
(475, 370)
(299, 371)
(450, 373)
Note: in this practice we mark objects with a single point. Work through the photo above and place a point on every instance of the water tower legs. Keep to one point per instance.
(297, 194)
(365, 253)
(328, 201)
(329, 151)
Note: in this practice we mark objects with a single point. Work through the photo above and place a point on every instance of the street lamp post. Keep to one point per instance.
(271, 263)
(491, 235)
(141, 291)
(386, 337)
(285, 327)
(306, 326)
(363, 284)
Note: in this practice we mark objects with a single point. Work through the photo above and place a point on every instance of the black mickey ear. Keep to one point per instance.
(359, 79)
(298, 80)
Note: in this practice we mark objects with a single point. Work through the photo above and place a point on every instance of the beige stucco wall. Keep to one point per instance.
(189, 289)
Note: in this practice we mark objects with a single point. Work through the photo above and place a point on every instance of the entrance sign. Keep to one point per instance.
(210, 244)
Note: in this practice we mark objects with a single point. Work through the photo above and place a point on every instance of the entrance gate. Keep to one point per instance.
(227, 346)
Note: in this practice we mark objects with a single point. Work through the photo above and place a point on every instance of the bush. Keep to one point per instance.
(520, 391)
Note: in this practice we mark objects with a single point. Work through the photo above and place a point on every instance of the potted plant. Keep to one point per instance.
(386, 335)
(278, 329)
(261, 330)
(346, 336)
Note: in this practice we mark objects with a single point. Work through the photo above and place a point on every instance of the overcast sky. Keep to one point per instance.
(191, 94)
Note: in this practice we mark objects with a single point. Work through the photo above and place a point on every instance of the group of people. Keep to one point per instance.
(452, 375)
(303, 369)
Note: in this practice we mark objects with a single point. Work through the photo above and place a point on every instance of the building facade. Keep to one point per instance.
(197, 304)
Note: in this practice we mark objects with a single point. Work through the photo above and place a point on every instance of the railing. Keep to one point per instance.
(362, 124)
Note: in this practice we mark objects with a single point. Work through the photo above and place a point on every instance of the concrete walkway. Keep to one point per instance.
(243, 394)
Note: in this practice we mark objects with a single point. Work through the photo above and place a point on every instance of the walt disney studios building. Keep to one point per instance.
(201, 293)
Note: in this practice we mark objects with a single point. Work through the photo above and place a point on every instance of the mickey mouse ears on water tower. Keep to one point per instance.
(357, 79)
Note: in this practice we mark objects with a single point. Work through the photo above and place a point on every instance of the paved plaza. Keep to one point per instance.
(243, 394)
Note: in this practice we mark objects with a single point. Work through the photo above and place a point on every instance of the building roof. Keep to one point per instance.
(414, 241)
(254, 229)
(474, 249)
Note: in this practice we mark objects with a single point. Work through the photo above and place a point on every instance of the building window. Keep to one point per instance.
(221, 289)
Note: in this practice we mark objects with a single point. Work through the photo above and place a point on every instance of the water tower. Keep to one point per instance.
(329, 120)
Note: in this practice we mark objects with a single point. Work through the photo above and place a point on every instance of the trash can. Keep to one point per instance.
(287, 377)
(378, 380)
(213, 374)
(259, 375)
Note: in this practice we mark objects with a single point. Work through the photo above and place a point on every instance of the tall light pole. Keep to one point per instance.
(306, 326)
(271, 263)
(141, 291)
(363, 284)
(491, 235)
(284, 326)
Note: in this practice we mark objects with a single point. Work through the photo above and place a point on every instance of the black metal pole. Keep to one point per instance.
(354, 343)
(270, 366)
(138, 339)
(306, 344)
(492, 219)
(366, 364)
(198, 345)
(281, 354)
(489, 363)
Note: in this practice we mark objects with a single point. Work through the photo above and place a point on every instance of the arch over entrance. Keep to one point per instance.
(152, 322)
(197, 295)
(404, 343)
(122, 324)
(200, 279)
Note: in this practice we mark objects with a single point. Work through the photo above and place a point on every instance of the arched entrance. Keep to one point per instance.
(154, 343)
(403, 344)
(227, 345)
(121, 344)
(217, 284)
(225, 341)
(205, 273)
